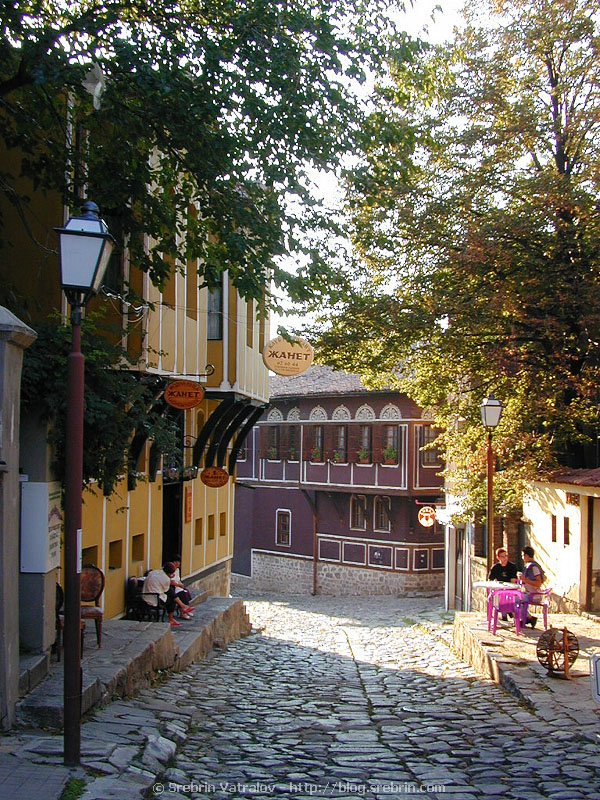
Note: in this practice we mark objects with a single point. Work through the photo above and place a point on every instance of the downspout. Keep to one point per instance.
(589, 554)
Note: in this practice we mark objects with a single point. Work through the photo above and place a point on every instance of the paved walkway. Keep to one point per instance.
(332, 697)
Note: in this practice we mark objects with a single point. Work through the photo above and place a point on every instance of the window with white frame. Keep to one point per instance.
(283, 528)
(340, 443)
(389, 444)
(382, 513)
(365, 439)
(293, 433)
(429, 457)
(358, 512)
(316, 451)
(273, 440)
(214, 314)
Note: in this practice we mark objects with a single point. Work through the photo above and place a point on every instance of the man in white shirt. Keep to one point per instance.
(158, 591)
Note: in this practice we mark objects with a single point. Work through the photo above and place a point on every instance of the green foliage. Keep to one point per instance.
(390, 453)
(118, 404)
(73, 790)
(475, 217)
(218, 106)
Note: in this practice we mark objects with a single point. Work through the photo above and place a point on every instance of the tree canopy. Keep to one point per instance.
(193, 125)
(219, 106)
(475, 221)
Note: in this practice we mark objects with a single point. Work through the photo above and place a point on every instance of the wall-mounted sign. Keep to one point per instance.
(184, 394)
(41, 525)
(288, 358)
(214, 477)
(426, 516)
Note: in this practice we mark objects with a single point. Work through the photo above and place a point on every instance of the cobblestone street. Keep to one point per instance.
(346, 697)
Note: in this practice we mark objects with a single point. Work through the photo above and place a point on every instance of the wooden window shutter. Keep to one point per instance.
(328, 441)
(307, 442)
(377, 442)
(353, 442)
(263, 445)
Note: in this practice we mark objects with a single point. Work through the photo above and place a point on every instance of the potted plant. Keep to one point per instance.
(272, 453)
(390, 455)
(364, 457)
(338, 457)
(315, 454)
(293, 454)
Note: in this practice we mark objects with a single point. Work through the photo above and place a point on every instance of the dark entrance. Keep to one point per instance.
(173, 492)
(459, 570)
(171, 522)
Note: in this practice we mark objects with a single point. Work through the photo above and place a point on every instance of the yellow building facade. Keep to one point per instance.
(213, 337)
(134, 530)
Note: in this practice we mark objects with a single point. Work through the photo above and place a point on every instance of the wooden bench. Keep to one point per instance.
(135, 605)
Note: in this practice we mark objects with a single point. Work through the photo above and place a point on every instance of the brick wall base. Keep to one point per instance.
(295, 576)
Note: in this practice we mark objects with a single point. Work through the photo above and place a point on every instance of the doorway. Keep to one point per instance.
(171, 519)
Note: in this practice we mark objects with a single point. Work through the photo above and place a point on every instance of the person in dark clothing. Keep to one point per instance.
(504, 571)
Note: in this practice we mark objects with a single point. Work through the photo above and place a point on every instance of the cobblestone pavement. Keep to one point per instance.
(358, 697)
(337, 697)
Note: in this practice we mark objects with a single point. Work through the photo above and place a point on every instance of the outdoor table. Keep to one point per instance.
(495, 586)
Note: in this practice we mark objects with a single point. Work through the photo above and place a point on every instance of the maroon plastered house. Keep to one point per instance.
(337, 491)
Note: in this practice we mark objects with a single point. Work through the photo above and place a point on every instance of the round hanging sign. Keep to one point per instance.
(288, 358)
(427, 516)
(214, 477)
(184, 394)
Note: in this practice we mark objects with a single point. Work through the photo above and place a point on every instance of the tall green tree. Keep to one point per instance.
(194, 125)
(477, 229)
(219, 105)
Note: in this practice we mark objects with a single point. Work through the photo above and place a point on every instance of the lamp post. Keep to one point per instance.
(85, 248)
(491, 411)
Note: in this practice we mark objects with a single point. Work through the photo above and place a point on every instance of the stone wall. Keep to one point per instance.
(216, 583)
(294, 575)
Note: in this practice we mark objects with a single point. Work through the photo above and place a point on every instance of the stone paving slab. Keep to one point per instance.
(131, 655)
(22, 779)
(511, 661)
(337, 697)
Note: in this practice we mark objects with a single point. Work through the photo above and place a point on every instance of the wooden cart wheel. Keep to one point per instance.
(557, 650)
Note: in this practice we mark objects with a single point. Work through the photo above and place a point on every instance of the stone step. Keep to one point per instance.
(32, 671)
(131, 656)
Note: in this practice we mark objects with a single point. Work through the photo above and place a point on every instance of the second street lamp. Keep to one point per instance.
(491, 411)
(85, 249)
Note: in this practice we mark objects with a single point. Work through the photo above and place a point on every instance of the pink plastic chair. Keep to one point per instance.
(506, 602)
(540, 598)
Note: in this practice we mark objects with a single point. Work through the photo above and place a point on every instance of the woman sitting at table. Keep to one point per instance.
(504, 571)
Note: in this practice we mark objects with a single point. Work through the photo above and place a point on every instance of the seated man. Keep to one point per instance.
(504, 571)
(532, 579)
(158, 582)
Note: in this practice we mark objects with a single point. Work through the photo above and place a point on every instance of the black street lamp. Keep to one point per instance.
(491, 411)
(85, 249)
